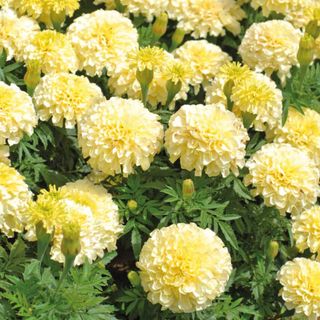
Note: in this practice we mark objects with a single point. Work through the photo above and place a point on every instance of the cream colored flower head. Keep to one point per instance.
(256, 94)
(124, 81)
(301, 131)
(64, 97)
(204, 58)
(118, 135)
(271, 46)
(82, 203)
(206, 17)
(100, 38)
(306, 229)
(44, 10)
(4, 154)
(301, 288)
(14, 199)
(298, 12)
(184, 267)
(15, 33)
(53, 51)
(284, 176)
(206, 138)
(17, 114)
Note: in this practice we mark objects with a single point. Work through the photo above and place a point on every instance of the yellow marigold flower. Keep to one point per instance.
(53, 51)
(100, 38)
(204, 58)
(184, 267)
(271, 46)
(301, 131)
(45, 10)
(206, 17)
(206, 136)
(301, 289)
(298, 12)
(176, 71)
(255, 93)
(234, 71)
(285, 176)
(17, 114)
(306, 230)
(85, 204)
(14, 198)
(64, 97)
(124, 81)
(4, 154)
(119, 134)
(15, 32)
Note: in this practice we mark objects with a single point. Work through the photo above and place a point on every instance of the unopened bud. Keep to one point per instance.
(306, 50)
(145, 78)
(177, 38)
(172, 90)
(58, 18)
(134, 278)
(313, 29)
(70, 245)
(187, 189)
(273, 249)
(227, 89)
(132, 205)
(33, 75)
(159, 27)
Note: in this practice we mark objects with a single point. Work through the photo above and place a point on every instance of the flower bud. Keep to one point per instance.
(313, 29)
(33, 75)
(227, 90)
(177, 38)
(273, 249)
(172, 89)
(134, 278)
(144, 77)
(306, 50)
(159, 27)
(70, 245)
(58, 19)
(132, 205)
(187, 189)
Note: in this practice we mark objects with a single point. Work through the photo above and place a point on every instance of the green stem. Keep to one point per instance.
(67, 267)
(144, 93)
(43, 244)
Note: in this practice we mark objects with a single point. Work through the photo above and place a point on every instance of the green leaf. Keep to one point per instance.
(229, 234)
(136, 242)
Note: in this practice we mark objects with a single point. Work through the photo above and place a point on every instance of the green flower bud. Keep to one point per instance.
(132, 205)
(313, 29)
(70, 245)
(58, 19)
(227, 90)
(306, 50)
(177, 38)
(273, 249)
(134, 278)
(33, 75)
(144, 77)
(172, 89)
(187, 189)
(159, 27)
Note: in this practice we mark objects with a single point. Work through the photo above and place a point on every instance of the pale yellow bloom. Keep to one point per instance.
(101, 40)
(14, 198)
(301, 131)
(82, 203)
(300, 279)
(184, 267)
(284, 176)
(53, 51)
(204, 58)
(306, 230)
(271, 46)
(64, 97)
(206, 17)
(118, 135)
(17, 114)
(15, 33)
(206, 137)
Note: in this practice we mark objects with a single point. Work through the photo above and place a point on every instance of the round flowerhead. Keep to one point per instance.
(301, 131)
(52, 51)
(82, 204)
(255, 93)
(301, 289)
(184, 267)
(206, 17)
(100, 38)
(306, 230)
(17, 114)
(118, 135)
(15, 33)
(207, 137)
(47, 11)
(285, 176)
(204, 58)
(14, 199)
(271, 46)
(64, 97)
